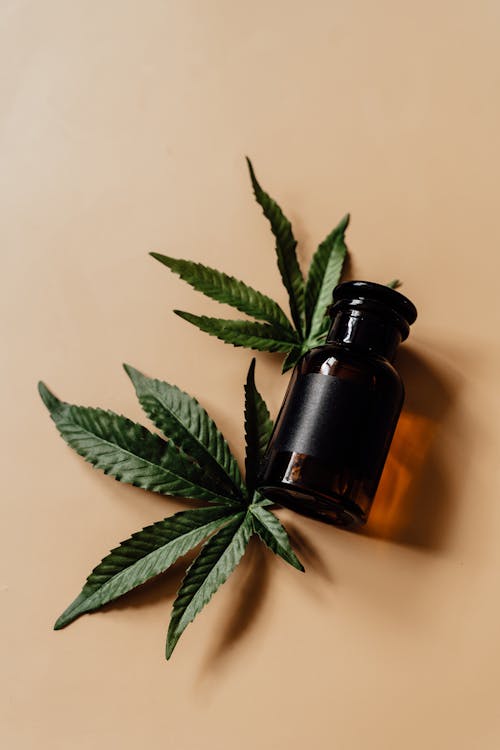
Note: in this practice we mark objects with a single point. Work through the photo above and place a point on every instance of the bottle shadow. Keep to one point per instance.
(413, 505)
(414, 501)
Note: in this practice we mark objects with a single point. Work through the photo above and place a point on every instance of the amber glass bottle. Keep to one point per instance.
(334, 429)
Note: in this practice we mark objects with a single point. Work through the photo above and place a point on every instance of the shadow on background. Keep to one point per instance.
(414, 501)
(307, 553)
(162, 587)
(251, 579)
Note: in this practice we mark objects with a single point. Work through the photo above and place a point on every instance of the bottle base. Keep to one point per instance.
(343, 513)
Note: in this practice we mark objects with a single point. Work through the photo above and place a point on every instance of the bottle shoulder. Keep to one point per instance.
(345, 362)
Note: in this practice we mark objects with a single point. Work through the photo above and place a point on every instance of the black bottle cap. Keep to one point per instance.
(367, 294)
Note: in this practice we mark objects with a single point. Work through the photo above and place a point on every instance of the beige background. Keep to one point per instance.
(123, 129)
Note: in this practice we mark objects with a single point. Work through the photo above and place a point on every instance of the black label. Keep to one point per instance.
(324, 416)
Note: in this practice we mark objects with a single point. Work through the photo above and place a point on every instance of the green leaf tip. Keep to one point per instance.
(251, 170)
(251, 370)
(49, 399)
(274, 535)
(144, 555)
(70, 614)
(263, 337)
(213, 566)
(157, 256)
(394, 284)
(285, 247)
(258, 428)
(324, 274)
(165, 259)
(134, 374)
(344, 222)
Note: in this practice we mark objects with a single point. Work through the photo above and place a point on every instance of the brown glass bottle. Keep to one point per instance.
(334, 429)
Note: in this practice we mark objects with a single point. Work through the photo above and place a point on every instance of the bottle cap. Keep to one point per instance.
(367, 295)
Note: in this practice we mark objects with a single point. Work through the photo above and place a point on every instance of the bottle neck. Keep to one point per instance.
(365, 331)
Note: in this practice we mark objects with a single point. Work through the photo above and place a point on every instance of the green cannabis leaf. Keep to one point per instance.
(193, 462)
(258, 427)
(285, 251)
(308, 298)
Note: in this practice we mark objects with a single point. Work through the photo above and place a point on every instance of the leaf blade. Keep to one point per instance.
(258, 428)
(285, 250)
(291, 360)
(272, 532)
(227, 289)
(184, 421)
(260, 336)
(213, 566)
(324, 273)
(130, 453)
(142, 556)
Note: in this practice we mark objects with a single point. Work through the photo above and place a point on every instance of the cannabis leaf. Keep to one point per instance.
(213, 566)
(308, 298)
(285, 251)
(324, 273)
(194, 461)
(144, 555)
(258, 427)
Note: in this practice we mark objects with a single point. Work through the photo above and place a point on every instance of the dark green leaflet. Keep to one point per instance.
(285, 250)
(194, 461)
(324, 275)
(144, 555)
(213, 566)
(258, 428)
(272, 532)
(261, 336)
(181, 418)
(130, 453)
(228, 290)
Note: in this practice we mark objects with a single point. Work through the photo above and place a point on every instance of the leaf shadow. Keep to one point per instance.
(251, 580)
(162, 587)
(307, 552)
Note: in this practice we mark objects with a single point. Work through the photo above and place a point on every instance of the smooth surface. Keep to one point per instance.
(123, 128)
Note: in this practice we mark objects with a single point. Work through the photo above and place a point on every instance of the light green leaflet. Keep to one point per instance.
(194, 462)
